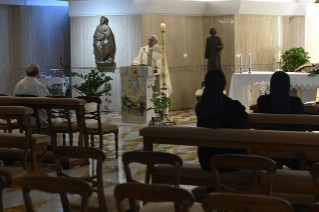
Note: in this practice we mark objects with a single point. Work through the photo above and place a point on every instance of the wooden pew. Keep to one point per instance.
(287, 182)
(47, 103)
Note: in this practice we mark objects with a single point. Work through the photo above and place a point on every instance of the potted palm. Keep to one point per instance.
(92, 85)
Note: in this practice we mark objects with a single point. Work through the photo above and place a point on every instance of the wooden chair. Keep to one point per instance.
(67, 126)
(2, 184)
(100, 200)
(56, 185)
(150, 159)
(8, 125)
(38, 128)
(27, 141)
(244, 203)
(98, 128)
(159, 198)
(244, 162)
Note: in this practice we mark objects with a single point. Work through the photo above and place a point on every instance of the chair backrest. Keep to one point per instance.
(22, 115)
(96, 179)
(314, 171)
(62, 113)
(35, 112)
(95, 115)
(153, 193)
(244, 203)
(2, 184)
(244, 162)
(288, 122)
(55, 185)
(150, 159)
(3, 95)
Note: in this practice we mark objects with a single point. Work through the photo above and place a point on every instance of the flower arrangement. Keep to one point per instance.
(264, 87)
(314, 71)
(199, 94)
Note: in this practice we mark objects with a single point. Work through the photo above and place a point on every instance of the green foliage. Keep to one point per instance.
(160, 105)
(294, 58)
(93, 81)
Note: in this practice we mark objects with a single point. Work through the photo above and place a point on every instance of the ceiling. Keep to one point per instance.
(180, 7)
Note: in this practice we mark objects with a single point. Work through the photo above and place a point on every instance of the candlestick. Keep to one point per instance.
(249, 61)
(241, 61)
(163, 30)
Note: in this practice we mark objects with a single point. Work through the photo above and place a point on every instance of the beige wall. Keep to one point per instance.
(5, 49)
(293, 32)
(258, 36)
(312, 41)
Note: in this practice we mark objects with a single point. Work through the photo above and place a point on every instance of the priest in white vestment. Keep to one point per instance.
(31, 86)
(154, 51)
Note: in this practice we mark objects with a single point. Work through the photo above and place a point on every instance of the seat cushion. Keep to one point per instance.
(93, 127)
(10, 173)
(3, 123)
(65, 126)
(167, 207)
(94, 203)
(7, 138)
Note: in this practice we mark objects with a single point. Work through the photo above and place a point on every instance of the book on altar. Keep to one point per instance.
(309, 104)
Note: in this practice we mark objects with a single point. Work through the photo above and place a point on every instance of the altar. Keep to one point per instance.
(240, 86)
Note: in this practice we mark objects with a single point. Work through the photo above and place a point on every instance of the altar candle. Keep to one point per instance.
(162, 26)
(241, 61)
(163, 29)
(249, 61)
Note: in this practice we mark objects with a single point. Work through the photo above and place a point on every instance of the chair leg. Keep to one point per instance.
(101, 142)
(55, 139)
(116, 145)
(92, 140)
(63, 137)
(71, 138)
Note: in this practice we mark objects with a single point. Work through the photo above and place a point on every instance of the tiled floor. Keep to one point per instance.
(113, 173)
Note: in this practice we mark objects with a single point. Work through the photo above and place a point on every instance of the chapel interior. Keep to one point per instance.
(167, 80)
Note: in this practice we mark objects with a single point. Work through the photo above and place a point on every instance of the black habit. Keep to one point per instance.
(279, 101)
(216, 110)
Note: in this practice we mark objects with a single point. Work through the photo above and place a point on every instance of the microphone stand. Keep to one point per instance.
(155, 69)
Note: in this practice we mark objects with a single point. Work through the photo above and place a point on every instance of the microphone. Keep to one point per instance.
(151, 58)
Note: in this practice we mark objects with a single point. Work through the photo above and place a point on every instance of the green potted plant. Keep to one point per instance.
(92, 85)
(294, 58)
(161, 103)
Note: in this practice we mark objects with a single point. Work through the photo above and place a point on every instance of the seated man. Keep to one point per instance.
(31, 86)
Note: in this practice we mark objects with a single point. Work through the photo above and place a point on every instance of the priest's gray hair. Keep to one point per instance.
(155, 37)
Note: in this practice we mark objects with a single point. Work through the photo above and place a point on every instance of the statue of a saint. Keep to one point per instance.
(214, 46)
(104, 43)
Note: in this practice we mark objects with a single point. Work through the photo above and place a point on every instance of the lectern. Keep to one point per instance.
(137, 84)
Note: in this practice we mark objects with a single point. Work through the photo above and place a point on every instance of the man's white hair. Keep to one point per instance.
(154, 37)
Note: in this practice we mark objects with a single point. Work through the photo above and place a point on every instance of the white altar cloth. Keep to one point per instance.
(241, 83)
(59, 91)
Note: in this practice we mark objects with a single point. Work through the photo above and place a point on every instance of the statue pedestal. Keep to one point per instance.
(136, 92)
(108, 67)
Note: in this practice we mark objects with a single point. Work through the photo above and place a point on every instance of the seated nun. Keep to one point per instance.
(279, 101)
(216, 110)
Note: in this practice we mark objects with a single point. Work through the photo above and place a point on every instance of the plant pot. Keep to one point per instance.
(90, 107)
